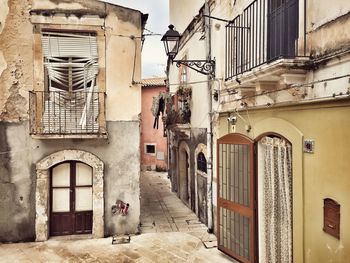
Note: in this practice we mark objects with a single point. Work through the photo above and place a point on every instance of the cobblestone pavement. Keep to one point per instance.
(170, 233)
(163, 211)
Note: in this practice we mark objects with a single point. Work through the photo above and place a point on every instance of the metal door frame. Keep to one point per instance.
(251, 211)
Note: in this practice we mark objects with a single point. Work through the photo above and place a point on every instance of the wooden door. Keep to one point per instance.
(184, 176)
(71, 199)
(236, 197)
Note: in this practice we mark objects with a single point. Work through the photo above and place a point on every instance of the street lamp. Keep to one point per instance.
(171, 40)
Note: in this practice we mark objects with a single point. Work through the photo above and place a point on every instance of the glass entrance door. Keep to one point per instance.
(71, 199)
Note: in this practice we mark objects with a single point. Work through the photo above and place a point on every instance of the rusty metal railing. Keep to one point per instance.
(67, 113)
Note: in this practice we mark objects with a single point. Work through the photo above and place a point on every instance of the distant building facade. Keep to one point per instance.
(153, 141)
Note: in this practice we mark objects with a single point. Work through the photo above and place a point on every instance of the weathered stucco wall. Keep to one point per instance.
(330, 37)
(121, 158)
(16, 58)
(123, 71)
(17, 184)
(19, 153)
(16, 179)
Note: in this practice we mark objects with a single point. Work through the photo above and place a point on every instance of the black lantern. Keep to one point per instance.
(171, 41)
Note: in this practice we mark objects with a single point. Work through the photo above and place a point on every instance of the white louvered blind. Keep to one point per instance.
(71, 63)
(69, 45)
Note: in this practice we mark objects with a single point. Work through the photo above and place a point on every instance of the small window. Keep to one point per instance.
(183, 75)
(150, 148)
(201, 162)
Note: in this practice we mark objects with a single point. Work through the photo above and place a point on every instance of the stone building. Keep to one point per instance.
(69, 151)
(280, 118)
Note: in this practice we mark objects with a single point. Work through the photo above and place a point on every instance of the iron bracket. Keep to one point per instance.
(206, 67)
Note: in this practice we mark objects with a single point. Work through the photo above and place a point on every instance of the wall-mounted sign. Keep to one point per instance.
(309, 146)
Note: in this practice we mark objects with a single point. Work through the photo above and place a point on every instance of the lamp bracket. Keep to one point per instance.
(206, 67)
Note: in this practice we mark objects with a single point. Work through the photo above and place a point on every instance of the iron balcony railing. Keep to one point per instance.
(67, 113)
(265, 31)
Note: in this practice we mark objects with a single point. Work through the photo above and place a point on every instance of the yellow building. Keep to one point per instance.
(285, 100)
(280, 118)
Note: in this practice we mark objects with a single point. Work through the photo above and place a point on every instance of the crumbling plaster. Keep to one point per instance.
(15, 61)
(67, 4)
(19, 178)
(330, 37)
(4, 10)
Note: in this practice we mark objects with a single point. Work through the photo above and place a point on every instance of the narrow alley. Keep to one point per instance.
(163, 211)
(170, 232)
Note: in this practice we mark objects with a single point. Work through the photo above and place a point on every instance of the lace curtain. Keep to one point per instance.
(275, 201)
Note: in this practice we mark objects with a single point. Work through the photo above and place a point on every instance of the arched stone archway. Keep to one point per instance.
(184, 173)
(295, 137)
(201, 185)
(42, 190)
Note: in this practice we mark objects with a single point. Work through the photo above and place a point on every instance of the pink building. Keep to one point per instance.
(153, 144)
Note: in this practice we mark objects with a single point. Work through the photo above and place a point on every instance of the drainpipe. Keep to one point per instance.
(207, 26)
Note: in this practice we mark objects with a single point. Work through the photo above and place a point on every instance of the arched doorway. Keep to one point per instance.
(274, 195)
(255, 197)
(201, 180)
(236, 197)
(70, 199)
(43, 193)
(184, 174)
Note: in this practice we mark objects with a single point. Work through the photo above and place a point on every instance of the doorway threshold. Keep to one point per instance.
(72, 237)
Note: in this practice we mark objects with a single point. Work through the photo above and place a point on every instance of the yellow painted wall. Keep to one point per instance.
(324, 173)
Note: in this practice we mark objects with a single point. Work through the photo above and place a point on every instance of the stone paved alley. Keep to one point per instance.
(170, 233)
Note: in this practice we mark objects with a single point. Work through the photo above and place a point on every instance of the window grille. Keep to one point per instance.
(201, 162)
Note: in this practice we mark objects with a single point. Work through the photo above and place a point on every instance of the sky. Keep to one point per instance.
(153, 53)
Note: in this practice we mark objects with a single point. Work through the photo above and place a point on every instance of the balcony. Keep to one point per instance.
(265, 33)
(62, 114)
(179, 108)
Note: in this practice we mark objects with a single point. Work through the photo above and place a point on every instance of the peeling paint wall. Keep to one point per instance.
(330, 37)
(15, 61)
(4, 10)
(20, 72)
(16, 178)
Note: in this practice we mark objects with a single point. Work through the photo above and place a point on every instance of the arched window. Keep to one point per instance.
(201, 162)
